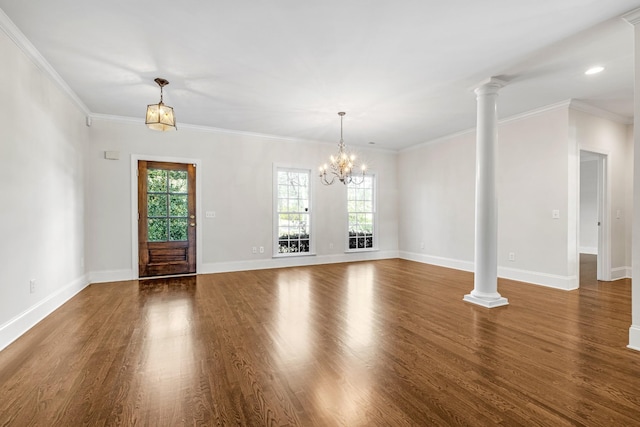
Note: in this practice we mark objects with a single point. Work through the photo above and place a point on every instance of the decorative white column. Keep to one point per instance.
(633, 18)
(485, 286)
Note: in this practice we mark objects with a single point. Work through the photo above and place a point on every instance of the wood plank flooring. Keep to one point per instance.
(372, 343)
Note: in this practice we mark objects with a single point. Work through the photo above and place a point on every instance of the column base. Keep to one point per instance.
(486, 302)
(634, 338)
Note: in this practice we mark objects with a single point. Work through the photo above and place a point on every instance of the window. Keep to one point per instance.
(361, 212)
(293, 212)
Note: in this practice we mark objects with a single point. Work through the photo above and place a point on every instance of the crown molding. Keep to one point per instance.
(209, 129)
(14, 33)
(590, 109)
(632, 17)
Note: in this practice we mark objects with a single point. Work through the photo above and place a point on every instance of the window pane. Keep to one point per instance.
(177, 181)
(157, 230)
(178, 229)
(292, 211)
(178, 206)
(361, 215)
(157, 205)
(156, 181)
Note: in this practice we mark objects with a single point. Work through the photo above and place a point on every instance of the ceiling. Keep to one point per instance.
(402, 70)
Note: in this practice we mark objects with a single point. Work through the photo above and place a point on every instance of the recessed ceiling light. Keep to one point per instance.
(594, 70)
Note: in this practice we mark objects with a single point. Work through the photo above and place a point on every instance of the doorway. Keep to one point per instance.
(166, 218)
(593, 236)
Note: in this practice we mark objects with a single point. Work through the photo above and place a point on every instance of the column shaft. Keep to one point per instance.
(485, 291)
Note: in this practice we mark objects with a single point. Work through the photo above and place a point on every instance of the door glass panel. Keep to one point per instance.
(157, 230)
(167, 205)
(177, 181)
(178, 206)
(157, 205)
(178, 229)
(157, 181)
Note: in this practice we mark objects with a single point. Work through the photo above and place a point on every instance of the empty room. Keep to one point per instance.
(334, 214)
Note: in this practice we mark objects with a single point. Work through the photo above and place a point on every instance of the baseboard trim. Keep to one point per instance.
(620, 273)
(111, 276)
(439, 261)
(533, 277)
(263, 264)
(14, 328)
(634, 337)
(566, 283)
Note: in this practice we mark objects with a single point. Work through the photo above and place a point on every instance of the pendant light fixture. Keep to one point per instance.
(159, 116)
(342, 165)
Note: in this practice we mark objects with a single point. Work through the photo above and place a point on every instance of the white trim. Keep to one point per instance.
(599, 112)
(634, 337)
(283, 262)
(566, 283)
(134, 204)
(632, 17)
(590, 250)
(620, 273)
(439, 261)
(533, 277)
(30, 51)
(17, 326)
(526, 114)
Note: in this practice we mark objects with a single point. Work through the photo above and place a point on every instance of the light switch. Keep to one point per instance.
(210, 214)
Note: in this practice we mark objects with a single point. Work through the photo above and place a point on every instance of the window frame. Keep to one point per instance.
(374, 212)
(276, 218)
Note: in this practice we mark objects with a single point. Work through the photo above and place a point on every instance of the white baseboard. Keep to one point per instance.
(296, 261)
(534, 277)
(634, 337)
(14, 328)
(439, 261)
(566, 283)
(588, 250)
(111, 276)
(620, 273)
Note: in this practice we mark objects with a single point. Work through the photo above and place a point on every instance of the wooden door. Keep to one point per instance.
(166, 218)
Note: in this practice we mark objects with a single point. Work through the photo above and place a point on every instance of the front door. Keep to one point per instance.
(166, 218)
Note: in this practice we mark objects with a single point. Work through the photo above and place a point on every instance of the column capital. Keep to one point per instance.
(489, 86)
(632, 17)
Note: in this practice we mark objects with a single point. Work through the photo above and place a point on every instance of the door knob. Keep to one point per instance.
(193, 224)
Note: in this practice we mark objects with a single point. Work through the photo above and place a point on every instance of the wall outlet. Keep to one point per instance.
(421, 245)
(261, 249)
(330, 245)
(254, 250)
(555, 214)
(512, 256)
(32, 286)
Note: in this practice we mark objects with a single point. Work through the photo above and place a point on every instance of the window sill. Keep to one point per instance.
(294, 255)
(351, 251)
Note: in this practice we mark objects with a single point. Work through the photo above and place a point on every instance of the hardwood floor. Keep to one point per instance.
(373, 343)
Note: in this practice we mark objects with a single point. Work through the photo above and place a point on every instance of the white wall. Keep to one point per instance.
(42, 141)
(437, 200)
(588, 236)
(236, 183)
(600, 135)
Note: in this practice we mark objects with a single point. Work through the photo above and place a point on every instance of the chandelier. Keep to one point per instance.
(160, 116)
(342, 165)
